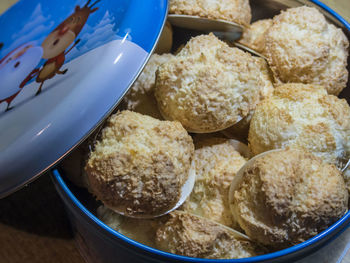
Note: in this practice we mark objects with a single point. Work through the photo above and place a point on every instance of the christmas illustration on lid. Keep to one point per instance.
(36, 57)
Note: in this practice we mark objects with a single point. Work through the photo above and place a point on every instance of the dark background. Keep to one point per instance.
(34, 227)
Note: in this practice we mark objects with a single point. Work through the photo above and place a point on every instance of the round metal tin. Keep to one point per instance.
(100, 243)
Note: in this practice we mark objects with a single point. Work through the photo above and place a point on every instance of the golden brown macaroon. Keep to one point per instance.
(286, 197)
(303, 116)
(254, 37)
(266, 76)
(189, 235)
(240, 129)
(237, 11)
(216, 163)
(302, 47)
(140, 97)
(208, 86)
(140, 164)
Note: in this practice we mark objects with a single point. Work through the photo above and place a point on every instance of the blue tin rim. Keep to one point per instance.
(58, 179)
(265, 257)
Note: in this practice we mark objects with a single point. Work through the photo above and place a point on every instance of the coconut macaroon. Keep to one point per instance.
(303, 116)
(240, 129)
(216, 163)
(208, 86)
(189, 235)
(140, 97)
(140, 164)
(266, 76)
(302, 47)
(254, 36)
(237, 11)
(287, 196)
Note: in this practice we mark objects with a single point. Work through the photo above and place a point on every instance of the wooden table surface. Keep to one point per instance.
(33, 224)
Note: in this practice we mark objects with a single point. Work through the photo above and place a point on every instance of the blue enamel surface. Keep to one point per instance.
(155, 10)
(119, 17)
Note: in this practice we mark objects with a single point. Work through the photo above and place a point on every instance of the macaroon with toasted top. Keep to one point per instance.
(302, 47)
(140, 165)
(217, 160)
(284, 197)
(192, 236)
(303, 116)
(237, 11)
(208, 86)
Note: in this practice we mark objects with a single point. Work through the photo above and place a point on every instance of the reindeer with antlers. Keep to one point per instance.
(56, 43)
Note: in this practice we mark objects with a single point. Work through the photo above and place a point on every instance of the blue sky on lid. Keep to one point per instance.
(34, 20)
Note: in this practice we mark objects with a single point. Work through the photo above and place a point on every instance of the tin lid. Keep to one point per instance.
(64, 66)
